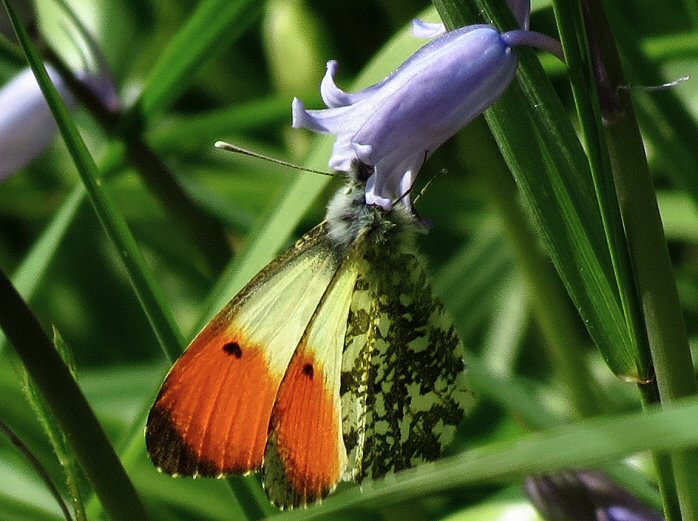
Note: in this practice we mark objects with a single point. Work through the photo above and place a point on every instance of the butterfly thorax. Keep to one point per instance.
(350, 221)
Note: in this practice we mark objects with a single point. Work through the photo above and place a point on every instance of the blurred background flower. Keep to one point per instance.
(27, 126)
(585, 495)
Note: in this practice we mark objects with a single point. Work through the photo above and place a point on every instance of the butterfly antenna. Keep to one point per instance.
(428, 183)
(240, 150)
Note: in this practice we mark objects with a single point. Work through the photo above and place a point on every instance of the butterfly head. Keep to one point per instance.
(350, 218)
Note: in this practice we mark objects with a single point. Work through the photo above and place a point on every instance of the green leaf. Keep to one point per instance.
(584, 444)
(211, 28)
(542, 150)
(73, 475)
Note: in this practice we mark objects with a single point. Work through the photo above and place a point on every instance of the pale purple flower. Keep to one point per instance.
(585, 495)
(388, 130)
(27, 126)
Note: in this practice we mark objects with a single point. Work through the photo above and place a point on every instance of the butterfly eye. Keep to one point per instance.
(233, 348)
(308, 370)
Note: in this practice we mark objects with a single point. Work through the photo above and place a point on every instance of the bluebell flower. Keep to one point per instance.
(585, 495)
(388, 130)
(27, 126)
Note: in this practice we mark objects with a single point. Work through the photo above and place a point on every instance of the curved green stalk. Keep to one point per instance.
(595, 441)
(664, 323)
(112, 220)
(87, 440)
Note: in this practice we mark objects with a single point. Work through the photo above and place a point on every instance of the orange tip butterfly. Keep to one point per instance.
(335, 362)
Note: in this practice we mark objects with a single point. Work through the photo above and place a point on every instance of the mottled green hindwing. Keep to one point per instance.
(403, 383)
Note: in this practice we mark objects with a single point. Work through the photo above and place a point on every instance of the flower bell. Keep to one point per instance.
(27, 126)
(391, 128)
(585, 495)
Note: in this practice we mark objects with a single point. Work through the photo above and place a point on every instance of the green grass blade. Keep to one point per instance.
(663, 316)
(207, 128)
(670, 124)
(213, 26)
(564, 344)
(53, 432)
(87, 439)
(38, 467)
(29, 274)
(586, 97)
(541, 148)
(111, 219)
(593, 441)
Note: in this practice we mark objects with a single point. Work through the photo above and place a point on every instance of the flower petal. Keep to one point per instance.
(26, 123)
(27, 126)
(386, 131)
(439, 98)
(422, 29)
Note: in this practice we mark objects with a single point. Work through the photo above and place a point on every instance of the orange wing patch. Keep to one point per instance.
(304, 459)
(212, 414)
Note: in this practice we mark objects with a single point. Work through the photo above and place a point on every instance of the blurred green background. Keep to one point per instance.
(241, 67)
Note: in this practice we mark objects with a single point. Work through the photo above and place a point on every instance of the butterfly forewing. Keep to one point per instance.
(212, 414)
(403, 371)
(305, 455)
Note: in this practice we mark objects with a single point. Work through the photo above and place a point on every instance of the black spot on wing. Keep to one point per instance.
(233, 349)
(308, 370)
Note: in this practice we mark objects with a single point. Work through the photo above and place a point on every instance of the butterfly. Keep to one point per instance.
(334, 363)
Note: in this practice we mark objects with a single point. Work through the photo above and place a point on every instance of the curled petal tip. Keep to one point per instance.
(364, 153)
(299, 116)
(332, 95)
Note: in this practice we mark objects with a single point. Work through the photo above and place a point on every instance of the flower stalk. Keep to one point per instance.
(664, 323)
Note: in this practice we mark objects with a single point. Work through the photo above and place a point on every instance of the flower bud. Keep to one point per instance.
(27, 126)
